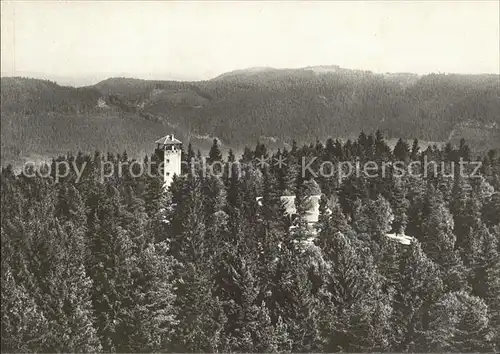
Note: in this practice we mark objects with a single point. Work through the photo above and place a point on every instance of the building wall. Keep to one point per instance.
(172, 165)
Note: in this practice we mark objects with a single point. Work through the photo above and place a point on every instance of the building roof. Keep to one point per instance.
(168, 140)
(401, 238)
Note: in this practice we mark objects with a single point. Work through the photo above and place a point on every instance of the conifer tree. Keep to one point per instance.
(150, 324)
(54, 272)
(362, 144)
(352, 189)
(415, 150)
(372, 219)
(294, 301)
(24, 326)
(438, 240)
(248, 327)
(110, 266)
(463, 150)
(419, 285)
(214, 154)
(247, 155)
(329, 152)
(215, 212)
(288, 174)
(382, 150)
(230, 156)
(400, 206)
(458, 322)
(356, 313)
(491, 210)
(234, 188)
(199, 312)
(485, 276)
(401, 151)
(188, 159)
(270, 338)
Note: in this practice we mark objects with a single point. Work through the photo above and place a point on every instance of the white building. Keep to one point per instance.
(171, 150)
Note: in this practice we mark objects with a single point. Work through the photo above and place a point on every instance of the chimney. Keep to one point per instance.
(172, 137)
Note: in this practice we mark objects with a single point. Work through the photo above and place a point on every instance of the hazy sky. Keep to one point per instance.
(199, 40)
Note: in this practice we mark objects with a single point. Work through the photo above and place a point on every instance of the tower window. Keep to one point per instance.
(168, 173)
(168, 160)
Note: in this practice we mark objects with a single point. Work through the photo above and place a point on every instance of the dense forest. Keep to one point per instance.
(118, 264)
(40, 118)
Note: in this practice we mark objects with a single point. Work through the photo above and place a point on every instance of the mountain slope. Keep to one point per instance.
(309, 103)
(243, 107)
(33, 96)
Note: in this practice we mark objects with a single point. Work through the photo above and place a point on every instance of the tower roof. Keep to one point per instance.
(168, 140)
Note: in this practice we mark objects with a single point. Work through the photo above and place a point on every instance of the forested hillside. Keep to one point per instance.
(41, 120)
(303, 104)
(93, 264)
(243, 107)
(31, 97)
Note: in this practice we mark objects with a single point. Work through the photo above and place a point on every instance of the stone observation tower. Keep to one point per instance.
(170, 149)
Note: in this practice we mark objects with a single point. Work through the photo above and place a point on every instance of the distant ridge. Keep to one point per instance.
(94, 79)
(262, 71)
